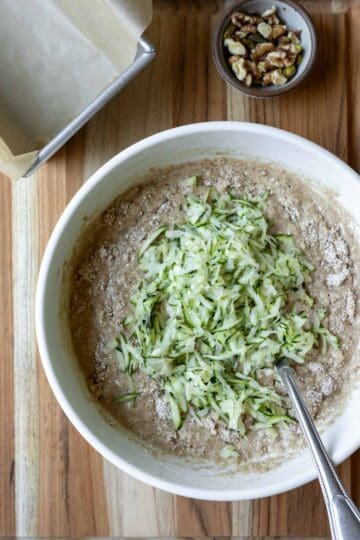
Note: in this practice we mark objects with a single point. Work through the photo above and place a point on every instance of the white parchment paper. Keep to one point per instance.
(55, 57)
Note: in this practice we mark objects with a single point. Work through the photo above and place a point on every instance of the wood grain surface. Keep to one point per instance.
(52, 484)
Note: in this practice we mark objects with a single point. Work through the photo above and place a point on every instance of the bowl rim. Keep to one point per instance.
(275, 488)
(254, 91)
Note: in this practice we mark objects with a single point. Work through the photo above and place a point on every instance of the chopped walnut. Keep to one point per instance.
(269, 12)
(248, 29)
(239, 69)
(277, 58)
(262, 50)
(278, 30)
(235, 47)
(264, 29)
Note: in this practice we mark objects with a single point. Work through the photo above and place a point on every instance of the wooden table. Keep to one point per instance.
(51, 482)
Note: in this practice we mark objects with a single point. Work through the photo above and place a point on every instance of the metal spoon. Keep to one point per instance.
(343, 515)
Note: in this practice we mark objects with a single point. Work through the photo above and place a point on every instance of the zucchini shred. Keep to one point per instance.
(220, 301)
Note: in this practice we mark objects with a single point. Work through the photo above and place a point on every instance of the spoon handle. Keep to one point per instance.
(343, 515)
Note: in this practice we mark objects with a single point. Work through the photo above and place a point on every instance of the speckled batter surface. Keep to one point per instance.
(104, 272)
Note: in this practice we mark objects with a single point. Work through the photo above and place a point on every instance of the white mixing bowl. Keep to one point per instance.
(178, 145)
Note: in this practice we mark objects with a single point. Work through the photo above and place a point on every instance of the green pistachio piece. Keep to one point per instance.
(249, 43)
(257, 38)
(229, 30)
(289, 71)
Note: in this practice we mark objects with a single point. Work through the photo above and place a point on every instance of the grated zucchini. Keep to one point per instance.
(212, 311)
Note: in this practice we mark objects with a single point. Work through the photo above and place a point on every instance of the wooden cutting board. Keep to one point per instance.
(51, 482)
